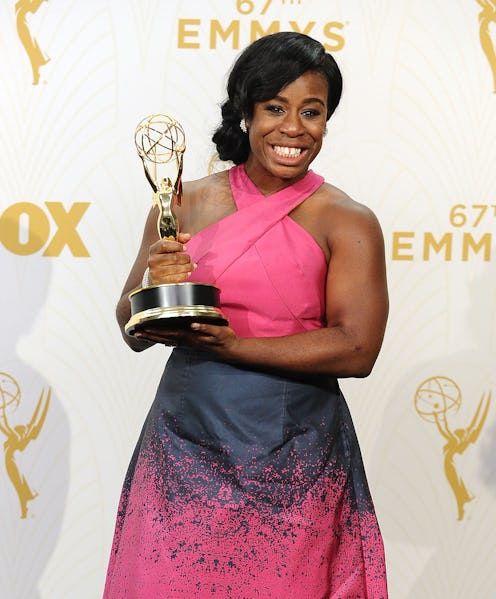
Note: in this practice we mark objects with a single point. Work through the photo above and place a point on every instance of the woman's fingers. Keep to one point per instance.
(168, 262)
(183, 237)
(200, 336)
(167, 246)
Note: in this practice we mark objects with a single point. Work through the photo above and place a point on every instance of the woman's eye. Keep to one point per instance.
(311, 113)
(273, 108)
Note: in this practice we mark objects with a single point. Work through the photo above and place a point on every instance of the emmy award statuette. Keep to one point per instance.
(160, 140)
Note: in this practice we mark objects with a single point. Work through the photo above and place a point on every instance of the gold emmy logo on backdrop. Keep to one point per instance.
(487, 16)
(19, 436)
(435, 398)
(36, 56)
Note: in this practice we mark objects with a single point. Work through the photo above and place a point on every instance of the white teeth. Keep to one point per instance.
(287, 152)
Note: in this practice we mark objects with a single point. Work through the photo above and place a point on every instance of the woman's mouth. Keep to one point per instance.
(287, 152)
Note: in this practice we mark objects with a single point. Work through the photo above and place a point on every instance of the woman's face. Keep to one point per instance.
(286, 132)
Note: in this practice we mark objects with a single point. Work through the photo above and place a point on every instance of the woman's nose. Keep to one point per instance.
(291, 124)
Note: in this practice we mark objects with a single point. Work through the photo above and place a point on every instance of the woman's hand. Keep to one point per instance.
(221, 340)
(168, 262)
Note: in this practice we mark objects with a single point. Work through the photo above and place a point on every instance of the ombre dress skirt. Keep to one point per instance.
(245, 485)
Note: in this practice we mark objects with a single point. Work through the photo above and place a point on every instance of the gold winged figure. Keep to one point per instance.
(457, 442)
(17, 439)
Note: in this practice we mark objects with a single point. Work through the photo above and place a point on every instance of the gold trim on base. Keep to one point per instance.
(203, 313)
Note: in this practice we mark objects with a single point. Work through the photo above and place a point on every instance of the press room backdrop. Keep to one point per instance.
(414, 139)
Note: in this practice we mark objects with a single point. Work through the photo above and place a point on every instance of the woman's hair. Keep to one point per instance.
(262, 70)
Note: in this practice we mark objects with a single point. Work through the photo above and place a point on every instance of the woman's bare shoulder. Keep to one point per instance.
(338, 207)
(205, 201)
(210, 185)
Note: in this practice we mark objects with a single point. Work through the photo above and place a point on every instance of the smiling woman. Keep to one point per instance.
(286, 132)
(263, 71)
(247, 480)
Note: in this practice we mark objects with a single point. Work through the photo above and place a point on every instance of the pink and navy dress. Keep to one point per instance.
(244, 484)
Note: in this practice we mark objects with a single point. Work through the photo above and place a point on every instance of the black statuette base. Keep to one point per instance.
(174, 306)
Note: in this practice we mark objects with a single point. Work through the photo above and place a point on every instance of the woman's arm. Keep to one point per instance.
(168, 263)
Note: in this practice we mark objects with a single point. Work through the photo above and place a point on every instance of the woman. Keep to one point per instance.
(247, 480)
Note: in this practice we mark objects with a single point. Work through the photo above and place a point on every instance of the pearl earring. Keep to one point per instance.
(242, 126)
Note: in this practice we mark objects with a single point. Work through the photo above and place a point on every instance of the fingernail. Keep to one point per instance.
(184, 248)
(195, 325)
(195, 265)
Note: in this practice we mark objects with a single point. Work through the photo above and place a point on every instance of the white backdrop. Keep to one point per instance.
(413, 139)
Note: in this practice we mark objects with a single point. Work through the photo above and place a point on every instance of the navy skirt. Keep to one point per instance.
(245, 485)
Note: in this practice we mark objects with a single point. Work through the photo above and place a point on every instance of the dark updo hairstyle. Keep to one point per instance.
(261, 71)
